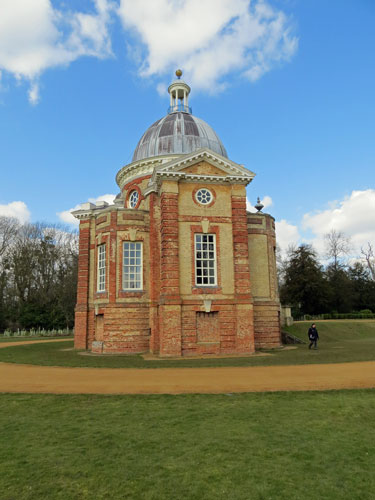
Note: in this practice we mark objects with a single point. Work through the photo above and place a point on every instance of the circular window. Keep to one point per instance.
(204, 196)
(133, 199)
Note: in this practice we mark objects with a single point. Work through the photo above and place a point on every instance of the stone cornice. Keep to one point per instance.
(234, 173)
(215, 159)
(95, 211)
(170, 167)
(140, 168)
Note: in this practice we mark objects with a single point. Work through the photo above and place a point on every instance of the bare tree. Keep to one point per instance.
(9, 227)
(38, 274)
(337, 246)
(369, 256)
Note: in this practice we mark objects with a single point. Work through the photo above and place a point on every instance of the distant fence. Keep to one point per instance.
(40, 332)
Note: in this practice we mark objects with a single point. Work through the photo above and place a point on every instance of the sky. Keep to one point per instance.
(288, 85)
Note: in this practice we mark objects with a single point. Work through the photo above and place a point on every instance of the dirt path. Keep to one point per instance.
(65, 380)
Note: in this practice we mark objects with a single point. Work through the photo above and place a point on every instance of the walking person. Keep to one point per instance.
(313, 336)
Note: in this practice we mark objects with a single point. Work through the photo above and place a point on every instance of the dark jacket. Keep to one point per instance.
(313, 333)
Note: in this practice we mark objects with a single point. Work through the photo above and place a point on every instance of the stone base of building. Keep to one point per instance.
(267, 331)
(182, 330)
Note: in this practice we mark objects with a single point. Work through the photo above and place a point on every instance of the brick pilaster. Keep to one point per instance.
(81, 311)
(154, 272)
(170, 281)
(244, 306)
(112, 242)
(170, 308)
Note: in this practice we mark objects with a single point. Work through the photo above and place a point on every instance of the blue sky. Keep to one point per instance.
(288, 85)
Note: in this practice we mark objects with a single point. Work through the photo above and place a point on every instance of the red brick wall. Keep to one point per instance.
(225, 322)
(157, 318)
(267, 324)
(207, 324)
(81, 311)
(155, 271)
(244, 310)
(126, 328)
(170, 308)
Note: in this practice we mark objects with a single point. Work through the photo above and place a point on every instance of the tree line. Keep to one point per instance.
(339, 286)
(38, 275)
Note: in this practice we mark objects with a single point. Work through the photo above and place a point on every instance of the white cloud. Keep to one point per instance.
(17, 209)
(67, 217)
(354, 216)
(286, 234)
(208, 39)
(34, 36)
(162, 89)
(266, 201)
(34, 93)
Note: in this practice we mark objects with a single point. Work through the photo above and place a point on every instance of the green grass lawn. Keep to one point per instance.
(292, 446)
(341, 341)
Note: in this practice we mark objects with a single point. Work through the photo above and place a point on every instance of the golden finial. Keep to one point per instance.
(178, 73)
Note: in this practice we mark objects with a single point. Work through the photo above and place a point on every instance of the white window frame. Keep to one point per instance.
(203, 257)
(204, 202)
(101, 277)
(130, 265)
(131, 203)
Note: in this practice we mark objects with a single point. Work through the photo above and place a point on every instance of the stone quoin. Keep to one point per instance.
(177, 266)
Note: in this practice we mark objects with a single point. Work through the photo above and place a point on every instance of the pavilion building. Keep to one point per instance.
(177, 266)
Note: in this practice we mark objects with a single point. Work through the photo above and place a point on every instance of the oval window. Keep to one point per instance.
(204, 196)
(133, 199)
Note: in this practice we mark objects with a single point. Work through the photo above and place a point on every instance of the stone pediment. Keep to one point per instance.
(201, 166)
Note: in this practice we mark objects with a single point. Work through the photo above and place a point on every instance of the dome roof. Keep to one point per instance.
(177, 133)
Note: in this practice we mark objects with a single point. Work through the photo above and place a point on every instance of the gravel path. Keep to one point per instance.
(66, 380)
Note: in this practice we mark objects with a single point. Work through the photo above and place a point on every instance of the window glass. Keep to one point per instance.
(205, 259)
(101, 268)
(132, 266)
(133, 199)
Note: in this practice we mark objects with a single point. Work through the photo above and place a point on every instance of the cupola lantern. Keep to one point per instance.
(179, 92)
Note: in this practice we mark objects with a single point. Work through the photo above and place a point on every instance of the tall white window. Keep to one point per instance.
(132, 276)
(205, 260)
(101, 267)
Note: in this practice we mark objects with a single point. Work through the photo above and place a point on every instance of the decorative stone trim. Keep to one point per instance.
(125, 294)
(234, 173)
(139, 168)
(228, 166)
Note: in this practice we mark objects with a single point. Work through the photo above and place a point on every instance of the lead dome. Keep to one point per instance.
(179, 132)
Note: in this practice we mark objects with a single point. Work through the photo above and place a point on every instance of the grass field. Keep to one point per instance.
(341, 341)
(290, 445)
(294, 446)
